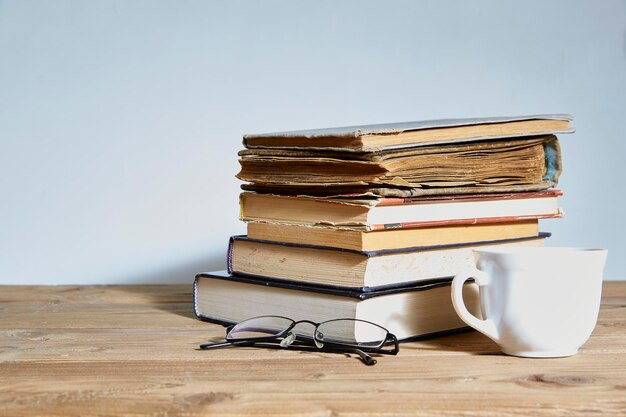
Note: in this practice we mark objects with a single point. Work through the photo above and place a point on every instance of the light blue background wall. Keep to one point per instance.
(120, 121)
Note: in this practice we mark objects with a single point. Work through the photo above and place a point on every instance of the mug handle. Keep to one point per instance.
(487, 326)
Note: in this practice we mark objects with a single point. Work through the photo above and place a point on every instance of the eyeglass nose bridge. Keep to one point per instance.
(312, 323)
(316, 333)
(295, 323)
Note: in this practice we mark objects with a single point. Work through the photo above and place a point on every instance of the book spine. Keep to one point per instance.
(552, 151)
(195, 298)
(229, 255)
(242, 197)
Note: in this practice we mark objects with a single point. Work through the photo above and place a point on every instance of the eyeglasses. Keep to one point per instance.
(339, 335)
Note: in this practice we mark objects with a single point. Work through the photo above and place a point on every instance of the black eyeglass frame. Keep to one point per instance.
(327, 346)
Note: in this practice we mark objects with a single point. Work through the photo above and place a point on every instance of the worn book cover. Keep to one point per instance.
(384, 213)
(524, 164)
(410, 134)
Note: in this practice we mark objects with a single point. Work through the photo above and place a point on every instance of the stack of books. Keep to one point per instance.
(372, 222)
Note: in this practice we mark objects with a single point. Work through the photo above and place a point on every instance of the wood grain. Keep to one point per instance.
(132, 351)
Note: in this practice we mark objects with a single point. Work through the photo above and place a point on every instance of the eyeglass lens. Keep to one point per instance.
(346, 332)
(349, 332)
(259, 327)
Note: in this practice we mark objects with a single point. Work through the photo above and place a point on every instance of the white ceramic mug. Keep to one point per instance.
(537, 301)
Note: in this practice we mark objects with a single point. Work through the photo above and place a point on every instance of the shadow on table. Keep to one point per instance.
(179, 297)
(467, 340)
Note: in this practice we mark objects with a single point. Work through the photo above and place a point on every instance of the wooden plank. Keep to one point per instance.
(585, 376)
(96, 294)
(99, 316)
(134, 343)
(109, 337)
(272, 386)
(613, 289)
(145, 294)
(132, 351)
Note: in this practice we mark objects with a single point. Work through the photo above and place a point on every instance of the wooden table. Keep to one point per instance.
(131, 350)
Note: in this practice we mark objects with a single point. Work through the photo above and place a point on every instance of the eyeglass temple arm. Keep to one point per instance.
(225, 344)
(367, 359)
(242, 342)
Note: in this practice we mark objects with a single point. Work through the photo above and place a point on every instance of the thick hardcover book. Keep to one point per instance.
(353, 270)
(523, 164)
(385, 213)
(406, 311)
(428, 132)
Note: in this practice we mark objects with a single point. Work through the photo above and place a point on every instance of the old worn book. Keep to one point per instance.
(376, 190)
(410, 134)
(358, 239)
(385, 213)
(532, 162)
(356, 270)
(408, 312)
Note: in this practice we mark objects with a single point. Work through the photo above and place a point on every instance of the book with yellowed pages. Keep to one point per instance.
(360, 240)
(384, 213)
(356, 270)
(409, 312)
(375, 137)
(533, 163)
(435, 157)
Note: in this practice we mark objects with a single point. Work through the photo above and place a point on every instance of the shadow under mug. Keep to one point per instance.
(536, 301)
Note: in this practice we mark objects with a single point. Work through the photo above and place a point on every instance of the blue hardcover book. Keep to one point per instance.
(409, 312)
